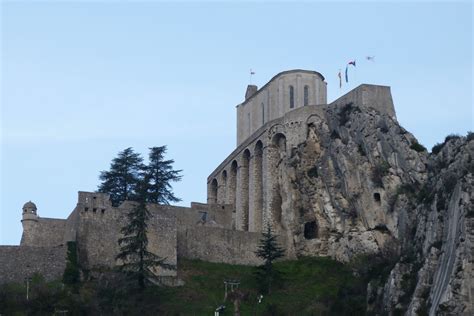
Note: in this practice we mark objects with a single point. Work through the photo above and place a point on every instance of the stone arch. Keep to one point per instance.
(279, 141)
(222, 189)
(256, 189)
(276, 153)
(232, 189)
(213, 191)
(243, 210)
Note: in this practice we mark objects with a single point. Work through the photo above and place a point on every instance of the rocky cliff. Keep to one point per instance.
(361, 186)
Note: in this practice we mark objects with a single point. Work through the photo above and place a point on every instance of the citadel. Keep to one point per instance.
(244, 191)
(301, 166)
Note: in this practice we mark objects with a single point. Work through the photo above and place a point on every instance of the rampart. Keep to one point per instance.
(20, 262)
(99, 229)
(45, 232)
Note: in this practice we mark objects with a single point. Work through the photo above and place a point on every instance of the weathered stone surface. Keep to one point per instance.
(20, 262)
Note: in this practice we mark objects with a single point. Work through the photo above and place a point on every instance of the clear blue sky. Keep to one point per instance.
(81, 81)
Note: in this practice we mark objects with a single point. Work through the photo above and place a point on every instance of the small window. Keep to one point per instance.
(250, 125)
(377, 197)
(306, 95)
(103, 210)
(94, 210)
(310, 230)
(263, 113)
(86, 209)
(95, 197)
(292, 97)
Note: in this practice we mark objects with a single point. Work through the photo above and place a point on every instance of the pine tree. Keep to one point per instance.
(160, 174)
(137, 261)
(122, 178)
(269, 251)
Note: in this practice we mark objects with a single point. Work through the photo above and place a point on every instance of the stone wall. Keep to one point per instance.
(43, 232)
(98, 234)
(19, 262)
(218, 245)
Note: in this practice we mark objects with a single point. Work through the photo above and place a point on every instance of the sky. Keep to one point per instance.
(81, 81)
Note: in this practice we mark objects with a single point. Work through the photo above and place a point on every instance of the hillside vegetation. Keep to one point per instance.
(309, 286)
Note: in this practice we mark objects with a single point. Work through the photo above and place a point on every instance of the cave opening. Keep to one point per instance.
(310, 230)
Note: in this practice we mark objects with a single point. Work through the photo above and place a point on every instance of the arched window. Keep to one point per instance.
(263, 113)
(292, 97)
(306, 95)
(250, 124)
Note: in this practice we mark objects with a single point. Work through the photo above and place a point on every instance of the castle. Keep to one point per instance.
(245, 192)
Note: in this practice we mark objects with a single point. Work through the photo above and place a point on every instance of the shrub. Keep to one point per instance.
(425, 195)
(451, 137)
(450, 183)
(345, 113)
(470, 136)
(417, 147)
(380, 170)
(437, 148)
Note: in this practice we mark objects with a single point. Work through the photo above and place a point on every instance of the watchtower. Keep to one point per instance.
(29, 221)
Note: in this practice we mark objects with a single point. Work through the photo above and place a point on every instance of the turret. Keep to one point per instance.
(29, 221)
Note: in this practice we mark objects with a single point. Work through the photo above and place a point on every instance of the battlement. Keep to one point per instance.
(93, 201)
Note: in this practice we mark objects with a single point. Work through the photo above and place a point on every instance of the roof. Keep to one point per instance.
(29, 204)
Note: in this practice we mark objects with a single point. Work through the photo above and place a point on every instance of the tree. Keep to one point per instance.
(269, 250)
(158, 174)
(137, 261)
(123, 177)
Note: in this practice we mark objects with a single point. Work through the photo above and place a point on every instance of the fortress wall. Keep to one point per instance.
(19, 262)
(185, 216)
(98, 234)
(44, 232)
(218, 245)
(374, 96)
(70, 230)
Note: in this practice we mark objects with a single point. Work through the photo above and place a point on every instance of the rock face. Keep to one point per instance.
(361, 184)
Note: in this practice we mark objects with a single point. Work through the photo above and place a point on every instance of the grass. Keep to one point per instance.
(307, 286)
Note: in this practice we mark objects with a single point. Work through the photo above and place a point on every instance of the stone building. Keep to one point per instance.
(271, 123)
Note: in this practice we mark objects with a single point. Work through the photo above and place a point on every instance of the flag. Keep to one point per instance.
(353, 63)
(340, 79)
(252, 72)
